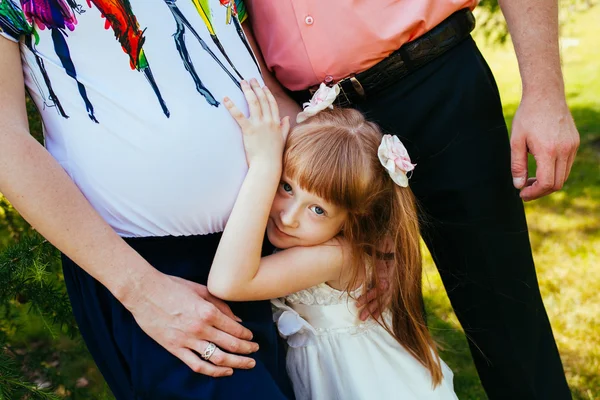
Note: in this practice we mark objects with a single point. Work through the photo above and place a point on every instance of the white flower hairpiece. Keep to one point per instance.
(395, 159)
(322, 99)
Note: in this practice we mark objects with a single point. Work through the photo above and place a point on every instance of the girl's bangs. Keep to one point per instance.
(327, 162)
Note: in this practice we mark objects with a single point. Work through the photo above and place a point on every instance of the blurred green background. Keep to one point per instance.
(41, 351)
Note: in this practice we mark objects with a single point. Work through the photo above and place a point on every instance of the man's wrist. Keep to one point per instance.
(554, 98)
(553, 87)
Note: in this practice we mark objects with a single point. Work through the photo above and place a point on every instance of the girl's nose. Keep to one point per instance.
(289, 218)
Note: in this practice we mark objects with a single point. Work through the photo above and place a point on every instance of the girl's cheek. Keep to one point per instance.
(277, 201)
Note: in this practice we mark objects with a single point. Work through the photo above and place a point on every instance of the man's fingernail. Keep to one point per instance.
(238, 319)
(518, 182)
(252, 364)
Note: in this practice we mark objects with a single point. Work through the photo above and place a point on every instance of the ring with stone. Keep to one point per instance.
(208, 352)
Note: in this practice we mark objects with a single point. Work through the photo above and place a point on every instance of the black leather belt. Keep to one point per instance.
(401, 62)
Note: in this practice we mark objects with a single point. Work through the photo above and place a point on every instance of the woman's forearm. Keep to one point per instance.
(46, 197)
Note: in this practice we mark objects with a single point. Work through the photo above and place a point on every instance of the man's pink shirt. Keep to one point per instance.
(304, 42)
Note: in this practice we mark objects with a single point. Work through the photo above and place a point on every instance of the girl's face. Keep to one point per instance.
(300, 218)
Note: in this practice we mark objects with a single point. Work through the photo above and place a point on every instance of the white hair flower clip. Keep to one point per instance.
(395, 159)
(322, 99)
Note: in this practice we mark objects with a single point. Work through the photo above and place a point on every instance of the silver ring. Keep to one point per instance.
(208, 352)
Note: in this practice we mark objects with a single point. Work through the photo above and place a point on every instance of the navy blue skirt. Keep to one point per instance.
(136, 367)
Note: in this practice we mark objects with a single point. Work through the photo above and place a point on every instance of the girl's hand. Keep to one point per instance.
(263, 131)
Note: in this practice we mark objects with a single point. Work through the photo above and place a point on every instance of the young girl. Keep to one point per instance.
(338, 195)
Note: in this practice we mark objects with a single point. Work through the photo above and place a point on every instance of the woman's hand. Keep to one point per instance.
(264, 132)
(183, 317)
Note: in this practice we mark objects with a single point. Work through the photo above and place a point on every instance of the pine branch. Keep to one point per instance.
(16, 260)
(24, 275)
(10, 383)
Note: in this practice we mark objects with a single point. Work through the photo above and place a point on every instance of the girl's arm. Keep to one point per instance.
(235, 277)
(238, 272)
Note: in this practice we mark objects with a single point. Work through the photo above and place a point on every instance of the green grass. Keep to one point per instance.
(564, 227)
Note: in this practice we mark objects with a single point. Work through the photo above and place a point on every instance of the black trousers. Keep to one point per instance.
(449, 116)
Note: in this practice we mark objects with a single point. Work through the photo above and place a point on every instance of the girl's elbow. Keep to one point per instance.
(223, 290)
(218, 289)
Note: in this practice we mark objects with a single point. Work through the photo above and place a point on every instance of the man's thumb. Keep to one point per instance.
(518, 162)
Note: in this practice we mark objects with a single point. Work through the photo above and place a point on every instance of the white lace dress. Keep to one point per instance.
(333, 355)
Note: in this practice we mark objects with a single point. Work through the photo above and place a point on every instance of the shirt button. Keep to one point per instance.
(309, 20)
(328, 79)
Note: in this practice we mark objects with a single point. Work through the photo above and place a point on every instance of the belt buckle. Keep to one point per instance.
(358, 87)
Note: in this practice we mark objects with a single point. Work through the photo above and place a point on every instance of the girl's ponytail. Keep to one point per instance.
(408, 319)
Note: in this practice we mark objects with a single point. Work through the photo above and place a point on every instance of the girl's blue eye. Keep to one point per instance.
(286, 186)
(318, 210)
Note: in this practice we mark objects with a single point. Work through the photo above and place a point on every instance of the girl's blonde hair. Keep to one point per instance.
(334, 155)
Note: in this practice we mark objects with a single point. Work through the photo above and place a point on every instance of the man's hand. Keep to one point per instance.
(183, 317)
(369, 302)
(543, 127)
